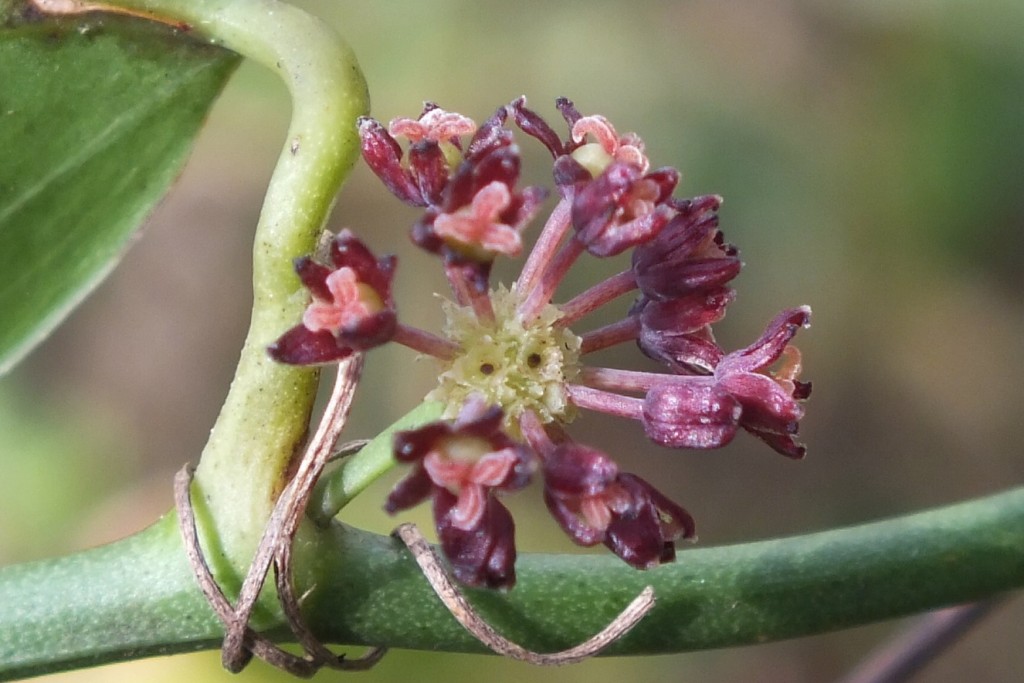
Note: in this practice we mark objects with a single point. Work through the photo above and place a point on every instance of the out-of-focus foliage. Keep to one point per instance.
(870, 157)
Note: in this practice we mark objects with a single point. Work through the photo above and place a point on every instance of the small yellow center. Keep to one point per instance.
(593, 157)
(513, 365)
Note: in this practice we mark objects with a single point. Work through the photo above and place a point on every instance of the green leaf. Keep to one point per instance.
(97, 116)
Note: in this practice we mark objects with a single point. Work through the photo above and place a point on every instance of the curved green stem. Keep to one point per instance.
(344, 481)
(137, 597)
(265, 416)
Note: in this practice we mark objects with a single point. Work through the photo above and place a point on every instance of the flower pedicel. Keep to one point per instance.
(513, 374)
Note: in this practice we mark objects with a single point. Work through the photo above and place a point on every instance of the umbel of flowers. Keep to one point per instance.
(513, 365)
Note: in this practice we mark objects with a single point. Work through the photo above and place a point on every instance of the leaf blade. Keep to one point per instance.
(97, 117)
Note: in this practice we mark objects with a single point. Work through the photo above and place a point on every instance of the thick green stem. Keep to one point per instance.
(265, 416)
(137, 597)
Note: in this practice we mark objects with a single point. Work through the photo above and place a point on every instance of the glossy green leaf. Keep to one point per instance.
(97, 116)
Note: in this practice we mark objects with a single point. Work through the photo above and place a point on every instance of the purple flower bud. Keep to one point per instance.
(705, 412)
(691, 414)
(677, 332)
(594, 503)
(688, 255)
(644, 535)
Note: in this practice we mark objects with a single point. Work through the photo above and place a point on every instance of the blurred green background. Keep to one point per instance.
(872, 159)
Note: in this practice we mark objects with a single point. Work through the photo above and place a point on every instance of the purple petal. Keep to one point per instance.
(384, 157)
(370, 331)
(767, 406)
(430, 170)
(415, 488)
(413, 445)
(477, 418)
(348, 251)
(685, 354)
(314, 277)
(676, 521)
(491, 135)
(573, 470)
(596, 202)
(535, 126)
(569, 172)
(767, 349)
(687, 314)
(636, 537)
(300, 346)
(597, 209)
(484, 555)
(524, 206)
(568, 109)
(673, 279)
(781, 443)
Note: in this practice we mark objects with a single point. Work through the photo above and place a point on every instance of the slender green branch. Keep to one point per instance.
(340, 484)
(137, 598)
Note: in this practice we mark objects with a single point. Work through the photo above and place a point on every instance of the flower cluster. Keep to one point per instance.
(512, 375)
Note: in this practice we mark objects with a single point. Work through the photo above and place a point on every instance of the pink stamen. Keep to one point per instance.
(478, 225)
(628, 148)
(469, 508)
(447, 472)
(597, 296)
(348, 306)
(493, 468)
(437, 125)
(602, 130)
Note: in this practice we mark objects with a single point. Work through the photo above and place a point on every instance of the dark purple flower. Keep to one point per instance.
(706, 411)
(622, 207)
(480, 214)
(595, 503)
(688, 255)
(462, 465)
(352, 308)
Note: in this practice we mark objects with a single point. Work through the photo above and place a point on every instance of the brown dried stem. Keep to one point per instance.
(453, 598)
(240, 641)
